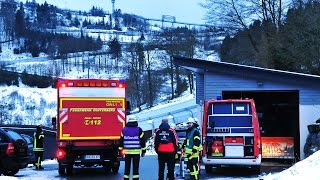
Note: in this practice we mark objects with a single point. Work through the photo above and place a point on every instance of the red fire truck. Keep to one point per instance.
(91, 115)
(231, 134)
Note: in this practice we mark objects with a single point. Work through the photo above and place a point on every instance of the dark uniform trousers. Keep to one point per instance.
(39, 158)
(192, 165)
(135, 158)
(169, 158)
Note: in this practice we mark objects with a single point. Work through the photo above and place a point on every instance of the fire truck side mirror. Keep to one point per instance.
(54, 121)
(128, 107)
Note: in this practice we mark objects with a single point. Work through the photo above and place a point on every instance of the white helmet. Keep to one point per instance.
(192, 120)
(131, 118)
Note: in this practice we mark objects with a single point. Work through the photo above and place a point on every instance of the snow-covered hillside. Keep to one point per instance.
(25, 105)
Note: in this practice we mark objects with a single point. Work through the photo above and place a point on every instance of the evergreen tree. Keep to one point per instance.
(115, 50)
(20, 25)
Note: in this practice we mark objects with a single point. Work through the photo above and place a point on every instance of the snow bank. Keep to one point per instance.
(306, 169)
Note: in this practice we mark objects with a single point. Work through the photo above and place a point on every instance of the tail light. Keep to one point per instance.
(259, 144)
(204, 144)
(10, 149)
(60, 153)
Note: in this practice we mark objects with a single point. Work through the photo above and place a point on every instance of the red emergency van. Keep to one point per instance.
(231, 134)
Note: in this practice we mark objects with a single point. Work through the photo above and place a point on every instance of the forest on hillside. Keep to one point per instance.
(283, 35)
(146, 63)
(279, 37)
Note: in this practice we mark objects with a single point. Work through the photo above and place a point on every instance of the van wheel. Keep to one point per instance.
(256, 169)
(208, 168)
(62, 169)
(10, 172)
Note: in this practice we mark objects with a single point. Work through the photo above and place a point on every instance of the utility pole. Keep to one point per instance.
(112, 14)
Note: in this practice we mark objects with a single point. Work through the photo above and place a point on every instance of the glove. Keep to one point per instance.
(194, 151)
(143, 153)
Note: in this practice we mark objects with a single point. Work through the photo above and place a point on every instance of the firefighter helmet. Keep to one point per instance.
(132, 118)
(192, 120)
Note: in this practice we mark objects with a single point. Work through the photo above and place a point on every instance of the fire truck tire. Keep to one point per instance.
(107, 169)
(69, 169)
(8, 172)
(61, 169)
(208, 168)
(115, 169)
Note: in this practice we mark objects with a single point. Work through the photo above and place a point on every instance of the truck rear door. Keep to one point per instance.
(88, 110)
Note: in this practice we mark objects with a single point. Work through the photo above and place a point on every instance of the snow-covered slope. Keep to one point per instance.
(25, 105)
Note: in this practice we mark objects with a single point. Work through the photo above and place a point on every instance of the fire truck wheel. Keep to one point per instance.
(69, 169)
(208, 168)
(115, 169)
(61, 170)
(107, 169)
(12, 172)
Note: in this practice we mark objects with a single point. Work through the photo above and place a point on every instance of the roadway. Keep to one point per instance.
(148, 171)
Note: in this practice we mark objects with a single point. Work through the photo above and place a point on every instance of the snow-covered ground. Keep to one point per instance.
(305, 169)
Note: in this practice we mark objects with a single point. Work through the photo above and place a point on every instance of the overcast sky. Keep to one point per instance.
(184, 10)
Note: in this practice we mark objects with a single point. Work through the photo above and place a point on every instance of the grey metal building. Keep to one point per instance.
(286, 102)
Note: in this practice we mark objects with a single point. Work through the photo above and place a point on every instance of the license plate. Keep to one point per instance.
(92, 157)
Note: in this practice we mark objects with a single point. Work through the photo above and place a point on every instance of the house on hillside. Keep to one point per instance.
(286, 102)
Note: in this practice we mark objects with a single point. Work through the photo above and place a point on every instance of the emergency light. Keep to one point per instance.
(90, 83)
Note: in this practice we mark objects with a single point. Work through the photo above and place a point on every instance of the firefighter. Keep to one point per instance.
(133, 143)
(193, 147)
(166, 147)
(38, 141)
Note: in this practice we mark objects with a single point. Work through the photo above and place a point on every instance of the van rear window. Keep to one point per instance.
(230, 108)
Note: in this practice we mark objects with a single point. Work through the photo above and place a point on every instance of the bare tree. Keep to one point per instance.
(238, 14)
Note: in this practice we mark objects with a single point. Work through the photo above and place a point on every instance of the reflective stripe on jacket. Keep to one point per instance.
(165, 139)
(193, 145)
(38, 140)
(132, 140)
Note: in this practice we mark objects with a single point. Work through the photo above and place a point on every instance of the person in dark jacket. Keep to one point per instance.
(166, 146)
(38, 148)
(193, 147)
(133, 143)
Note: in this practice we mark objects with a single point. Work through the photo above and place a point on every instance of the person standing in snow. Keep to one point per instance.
(166, 146)
(133, 143)
(38, 148)
(193, 147)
